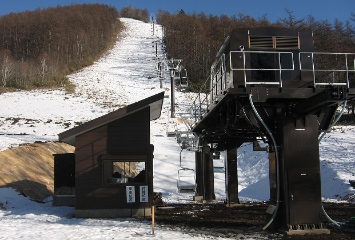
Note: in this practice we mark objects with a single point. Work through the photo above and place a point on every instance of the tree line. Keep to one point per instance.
(196, 38)
(132, 12)
(39, 48)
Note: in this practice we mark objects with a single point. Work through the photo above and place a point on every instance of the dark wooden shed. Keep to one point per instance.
(114, 161)
(64, 179)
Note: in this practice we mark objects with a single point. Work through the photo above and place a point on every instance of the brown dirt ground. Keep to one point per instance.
(29, 168)
(245, 220)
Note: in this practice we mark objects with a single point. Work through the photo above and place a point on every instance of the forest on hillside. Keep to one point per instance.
(196, 38)
(39, 48)
(135, 13)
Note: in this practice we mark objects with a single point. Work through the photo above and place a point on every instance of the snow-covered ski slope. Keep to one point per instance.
(126, 74)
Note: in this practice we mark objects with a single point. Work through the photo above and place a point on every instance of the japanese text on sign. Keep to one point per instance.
(130, 194)
(144, 193)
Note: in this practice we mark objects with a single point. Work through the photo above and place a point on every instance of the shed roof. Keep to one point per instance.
(155, 102)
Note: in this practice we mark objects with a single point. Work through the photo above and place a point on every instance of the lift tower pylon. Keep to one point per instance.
(269, 84)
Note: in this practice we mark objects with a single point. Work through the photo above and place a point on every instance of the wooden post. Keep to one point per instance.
(153, 219)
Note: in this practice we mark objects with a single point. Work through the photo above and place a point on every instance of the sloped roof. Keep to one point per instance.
(155, 102)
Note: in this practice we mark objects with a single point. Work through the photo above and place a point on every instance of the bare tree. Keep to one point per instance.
(6, 69)
(50, 42)
(291, 21)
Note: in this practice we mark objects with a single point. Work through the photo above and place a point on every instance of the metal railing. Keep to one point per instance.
(265, 65)
(218, 78)
(215, 86)
(333, 69)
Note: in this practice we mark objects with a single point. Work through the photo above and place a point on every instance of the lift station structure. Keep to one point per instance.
(269, 84)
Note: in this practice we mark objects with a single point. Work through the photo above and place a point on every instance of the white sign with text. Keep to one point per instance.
(130, 194)
(144, 193)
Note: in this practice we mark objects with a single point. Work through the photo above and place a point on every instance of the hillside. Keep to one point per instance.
(39, 48)
(126, 74)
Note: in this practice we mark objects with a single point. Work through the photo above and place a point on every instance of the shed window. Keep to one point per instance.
(121, 171)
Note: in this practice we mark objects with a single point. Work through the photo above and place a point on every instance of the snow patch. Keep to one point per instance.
(126, 74)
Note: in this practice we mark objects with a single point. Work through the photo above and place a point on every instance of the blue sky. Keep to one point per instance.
(275, 9)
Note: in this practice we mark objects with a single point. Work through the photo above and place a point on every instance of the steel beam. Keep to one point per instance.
(208, 174)
(199, 174)
(232, 176)
(299, 171)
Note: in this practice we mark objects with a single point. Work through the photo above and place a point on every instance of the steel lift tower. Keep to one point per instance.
(268, 84)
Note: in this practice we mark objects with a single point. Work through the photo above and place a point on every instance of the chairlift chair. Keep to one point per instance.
(216, 155)
(186, 182)
(184, 81)
(218, 163)
(177, 73)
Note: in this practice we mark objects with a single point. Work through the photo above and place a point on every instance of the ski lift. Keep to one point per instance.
(152, 18)
(184, 82)
(174, 64)
(216, 155)
(218, 163)
(184, 139)
(186, 182)
(177, 74)
(218, 166)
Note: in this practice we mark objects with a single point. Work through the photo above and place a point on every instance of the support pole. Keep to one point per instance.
(160, 74)
(156, 49)
(272, 177)
(174, 65)
(232, 176)
(199, 174)
(172, 74)
(208, 173)
(300, 192)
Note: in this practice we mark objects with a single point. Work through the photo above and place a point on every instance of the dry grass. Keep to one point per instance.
(30, 168)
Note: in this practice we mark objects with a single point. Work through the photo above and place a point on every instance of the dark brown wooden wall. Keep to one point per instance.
(127, 135)
(130, 134)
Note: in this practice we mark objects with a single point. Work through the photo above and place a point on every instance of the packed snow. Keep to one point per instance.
(126, 74)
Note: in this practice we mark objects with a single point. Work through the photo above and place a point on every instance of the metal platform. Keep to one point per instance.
(268, 84)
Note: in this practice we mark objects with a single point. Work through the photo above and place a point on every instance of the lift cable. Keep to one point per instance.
(335, 121)
(277, 161)
(319, 140)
